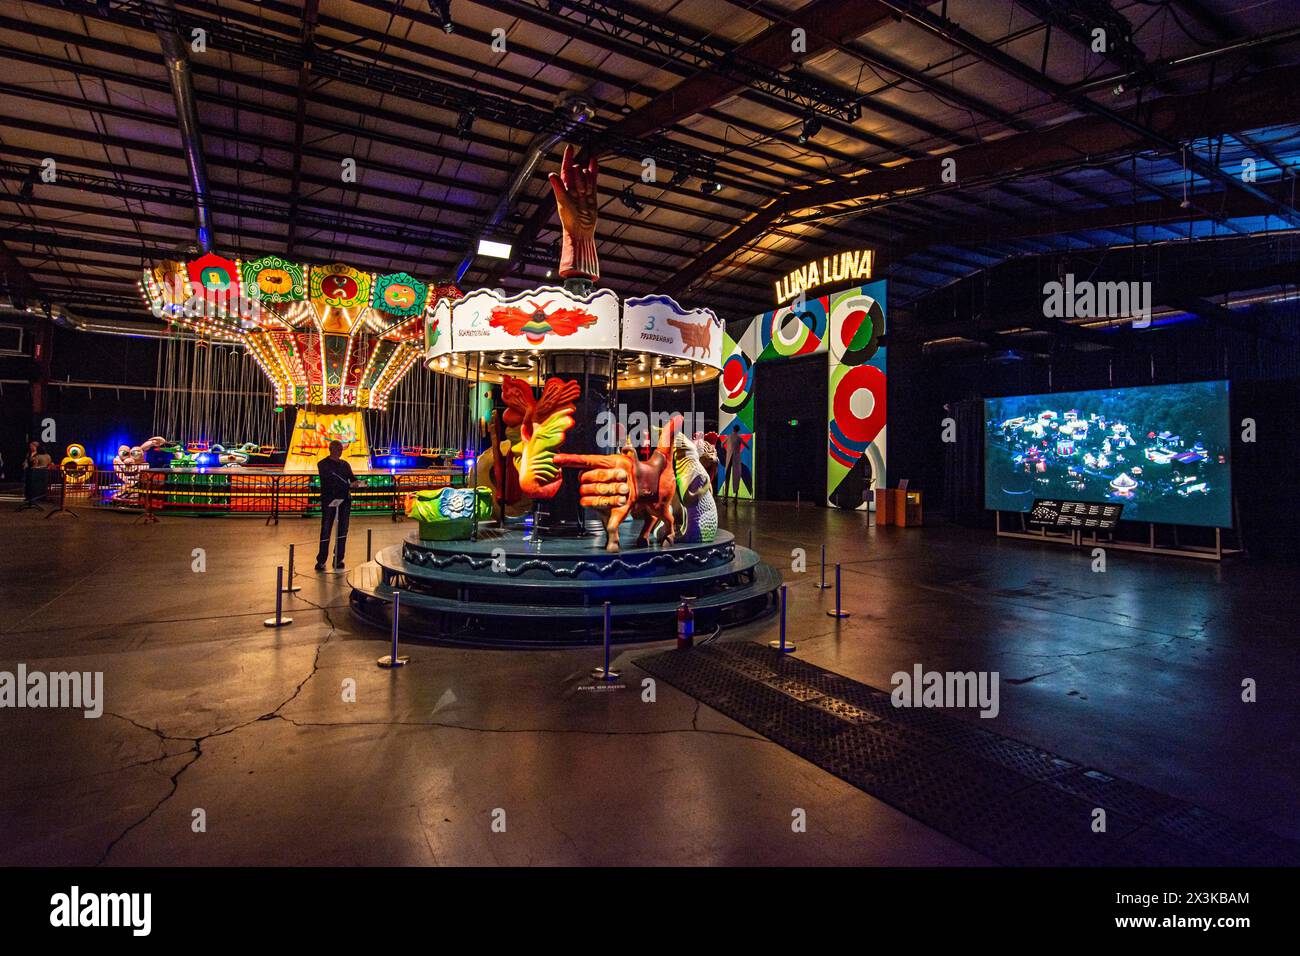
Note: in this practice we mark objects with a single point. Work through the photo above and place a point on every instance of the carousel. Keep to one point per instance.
(566, 510)
(331, 341)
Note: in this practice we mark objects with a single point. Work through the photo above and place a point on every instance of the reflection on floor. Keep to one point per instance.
(298, 750)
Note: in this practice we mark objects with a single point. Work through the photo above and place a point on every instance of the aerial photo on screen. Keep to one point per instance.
(1161, 451)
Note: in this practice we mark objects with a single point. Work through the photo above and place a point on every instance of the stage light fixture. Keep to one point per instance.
(464, 123)
(710, 186)
(811, 127)
(495, 250)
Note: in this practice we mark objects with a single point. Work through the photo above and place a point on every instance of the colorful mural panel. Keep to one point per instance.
(847, 326)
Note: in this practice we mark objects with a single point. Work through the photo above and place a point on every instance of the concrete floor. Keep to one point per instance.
(1136, 671)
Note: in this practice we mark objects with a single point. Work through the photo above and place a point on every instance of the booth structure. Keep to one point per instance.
(846, 327)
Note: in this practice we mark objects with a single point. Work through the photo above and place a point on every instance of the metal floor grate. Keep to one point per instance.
(1014, 803)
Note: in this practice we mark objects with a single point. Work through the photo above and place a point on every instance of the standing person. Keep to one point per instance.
(734, 443)
(336, 484)
(36, 472)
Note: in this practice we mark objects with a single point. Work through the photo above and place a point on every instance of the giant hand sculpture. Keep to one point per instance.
(576, 196)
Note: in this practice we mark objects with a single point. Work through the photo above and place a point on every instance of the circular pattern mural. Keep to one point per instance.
(789, 333)
(856, 322)
(737, 380)
(859, 413)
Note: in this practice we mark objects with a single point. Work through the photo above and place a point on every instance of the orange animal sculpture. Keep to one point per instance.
(695, 335)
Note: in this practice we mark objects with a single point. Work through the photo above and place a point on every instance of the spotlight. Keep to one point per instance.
(1117, 90)
(709, 186)
(811, 127)
(26, 189)
(464, 124)
(628, 199)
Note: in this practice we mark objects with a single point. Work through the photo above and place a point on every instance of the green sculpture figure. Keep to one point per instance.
(449, 514)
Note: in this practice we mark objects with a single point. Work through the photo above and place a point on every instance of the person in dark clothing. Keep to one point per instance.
(336, 484)
(36, 474)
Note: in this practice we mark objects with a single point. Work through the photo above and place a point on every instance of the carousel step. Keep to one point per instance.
(367, 582)
(391, 560)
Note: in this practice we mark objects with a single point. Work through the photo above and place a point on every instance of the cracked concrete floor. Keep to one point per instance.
(1136, 671)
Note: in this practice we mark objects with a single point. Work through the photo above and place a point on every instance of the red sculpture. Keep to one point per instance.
(577, 197)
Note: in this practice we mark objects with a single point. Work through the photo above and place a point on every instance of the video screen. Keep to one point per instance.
(1161, 451)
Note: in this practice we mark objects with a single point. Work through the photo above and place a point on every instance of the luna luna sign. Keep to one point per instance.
(851, 266)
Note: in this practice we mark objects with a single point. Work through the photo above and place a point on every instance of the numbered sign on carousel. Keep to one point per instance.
(657, 324)
(545, 318)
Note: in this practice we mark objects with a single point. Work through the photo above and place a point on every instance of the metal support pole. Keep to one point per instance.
(370, 533)
(781, 644)
(291, 587)
(279, 620)
(838, 612)
(393, 660)
(822, 585)
(604, 673)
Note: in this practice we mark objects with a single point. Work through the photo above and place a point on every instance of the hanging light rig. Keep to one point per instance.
(332, 340)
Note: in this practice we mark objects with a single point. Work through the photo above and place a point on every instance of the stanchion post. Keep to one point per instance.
(838, 612)
(279, 620)
(369, 536)
(290, 587)
(782, 645)
(604, 673)
(822, 585)
(394, 659)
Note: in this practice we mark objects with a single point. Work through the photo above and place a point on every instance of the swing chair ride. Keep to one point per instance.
(254, 337)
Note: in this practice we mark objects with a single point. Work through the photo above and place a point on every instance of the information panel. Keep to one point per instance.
(1055, 514)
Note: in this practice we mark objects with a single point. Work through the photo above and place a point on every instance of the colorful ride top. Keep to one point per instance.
(333, 340)
(668, 343)
(327, 336)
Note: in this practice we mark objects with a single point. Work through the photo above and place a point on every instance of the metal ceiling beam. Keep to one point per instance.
(310, 11)
(757, 64)
(919, 14)
(1271, 98)
(161, 14)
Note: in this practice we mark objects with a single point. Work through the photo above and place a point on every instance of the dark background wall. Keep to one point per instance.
(100, 419)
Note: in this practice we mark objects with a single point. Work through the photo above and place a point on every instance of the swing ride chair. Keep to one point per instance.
(255, 337)
(561, 513)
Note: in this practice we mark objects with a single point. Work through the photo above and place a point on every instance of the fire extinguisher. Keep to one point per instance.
(685, 625)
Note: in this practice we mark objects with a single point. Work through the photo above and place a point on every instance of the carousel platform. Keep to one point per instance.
(505, 591)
